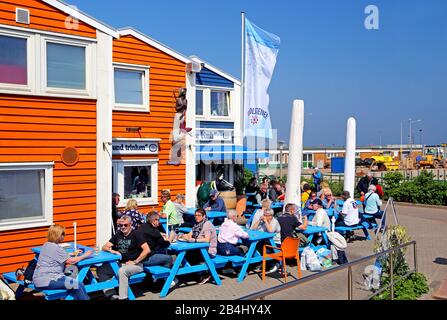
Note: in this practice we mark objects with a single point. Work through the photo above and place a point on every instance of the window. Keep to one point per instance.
(331, 155)
(136, 179)
(26, 195)
(199, 102)
(131, 87)
(66, 66)
(307, 160)
(13, 60)
(220, 102)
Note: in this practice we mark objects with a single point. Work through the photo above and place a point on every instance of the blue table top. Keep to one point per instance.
(102, 256)
(274, 205)
(313, 229)
(186, 246)
(255, 235)
(209, 214)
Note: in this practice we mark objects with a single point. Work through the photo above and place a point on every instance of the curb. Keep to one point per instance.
(428, 206)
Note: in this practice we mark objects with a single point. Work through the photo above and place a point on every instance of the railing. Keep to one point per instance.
(264, 293)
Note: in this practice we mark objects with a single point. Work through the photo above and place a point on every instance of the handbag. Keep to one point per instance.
(303, 239)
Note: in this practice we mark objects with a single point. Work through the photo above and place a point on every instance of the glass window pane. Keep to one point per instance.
(13, 61)
(65, 66)
(128, 87)
(199, 102)
(220, 102)
(137, 182)
(22, 194)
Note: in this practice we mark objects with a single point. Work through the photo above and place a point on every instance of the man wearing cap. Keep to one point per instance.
(321, 219)
(215, 202)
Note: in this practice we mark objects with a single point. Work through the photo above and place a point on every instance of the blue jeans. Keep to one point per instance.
(228, 249)
(74, 287)
(158, 259)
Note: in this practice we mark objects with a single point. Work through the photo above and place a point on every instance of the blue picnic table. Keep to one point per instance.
(182, 266)
(253, 256)
(86, 276)
(311, 231)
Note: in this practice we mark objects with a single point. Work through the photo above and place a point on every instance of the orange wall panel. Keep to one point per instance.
(38, 129)
(166, 76)
(42, 17)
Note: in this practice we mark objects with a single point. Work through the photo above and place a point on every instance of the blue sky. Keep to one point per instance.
(327, 58)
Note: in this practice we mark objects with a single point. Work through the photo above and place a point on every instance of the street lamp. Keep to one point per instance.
(281, 147)
(411, 133)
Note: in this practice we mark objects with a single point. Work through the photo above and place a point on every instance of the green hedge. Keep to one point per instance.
(423, 189)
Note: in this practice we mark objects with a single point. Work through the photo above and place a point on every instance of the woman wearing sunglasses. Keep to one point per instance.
(202, 231)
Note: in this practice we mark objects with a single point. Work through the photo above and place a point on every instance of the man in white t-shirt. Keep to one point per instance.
(349, 215)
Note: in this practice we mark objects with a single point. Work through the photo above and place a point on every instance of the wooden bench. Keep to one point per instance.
(10, 277)
(343, 230)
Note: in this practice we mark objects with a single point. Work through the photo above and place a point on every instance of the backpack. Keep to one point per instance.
(27, 276)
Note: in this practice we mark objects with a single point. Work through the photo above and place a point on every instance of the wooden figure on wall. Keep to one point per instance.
(179, 130)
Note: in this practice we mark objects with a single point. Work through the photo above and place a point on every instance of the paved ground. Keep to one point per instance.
(428, 226)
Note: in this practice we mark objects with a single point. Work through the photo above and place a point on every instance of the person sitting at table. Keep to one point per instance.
(168, 210)
(49, 272)
(257, 215)
(289, 221)
(323, 185)
(158, 243)
(327, 198)
(131, 210)
(321, 218)
(202, 231)
(215, 202)
(306, 194)
(349, 215)
(308, 205)
(181, 209)
(253, 188)
(275, 192)
(229, 235)
(267, 223)
(262, 194)
(132, 248)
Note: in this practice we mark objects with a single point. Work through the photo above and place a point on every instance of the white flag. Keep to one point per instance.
(261, 50)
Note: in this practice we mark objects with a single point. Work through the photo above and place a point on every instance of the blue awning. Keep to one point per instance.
(220, 153)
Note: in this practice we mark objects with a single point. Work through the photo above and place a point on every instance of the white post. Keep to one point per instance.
(75, 227)
(293, 191)
(350, 156)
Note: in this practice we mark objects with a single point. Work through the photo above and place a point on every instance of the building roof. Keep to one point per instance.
(216, 70)
(156, 44)
(78, 14)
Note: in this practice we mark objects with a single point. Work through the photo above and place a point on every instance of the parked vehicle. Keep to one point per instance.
(433, 157)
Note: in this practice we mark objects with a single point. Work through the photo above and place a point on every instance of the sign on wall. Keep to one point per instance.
(132, 147)
(215, 135)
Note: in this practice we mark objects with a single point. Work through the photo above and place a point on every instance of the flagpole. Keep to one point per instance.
(243, 72)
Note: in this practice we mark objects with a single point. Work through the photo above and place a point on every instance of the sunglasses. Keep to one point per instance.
(123, 225)
(198, 215)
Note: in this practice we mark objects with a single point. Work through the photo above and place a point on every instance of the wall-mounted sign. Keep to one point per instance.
(215, 135)
(132, 147)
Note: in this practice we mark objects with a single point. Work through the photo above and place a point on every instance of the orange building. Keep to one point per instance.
(84, 110)
(143, 118)
(53, 125)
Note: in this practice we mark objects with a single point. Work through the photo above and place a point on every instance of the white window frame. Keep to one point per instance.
(30, 63)
(201, 116)
(207, 104)
(90, 67)
(145, 107)
(118, 180)
(307, 161)
(47, 219)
